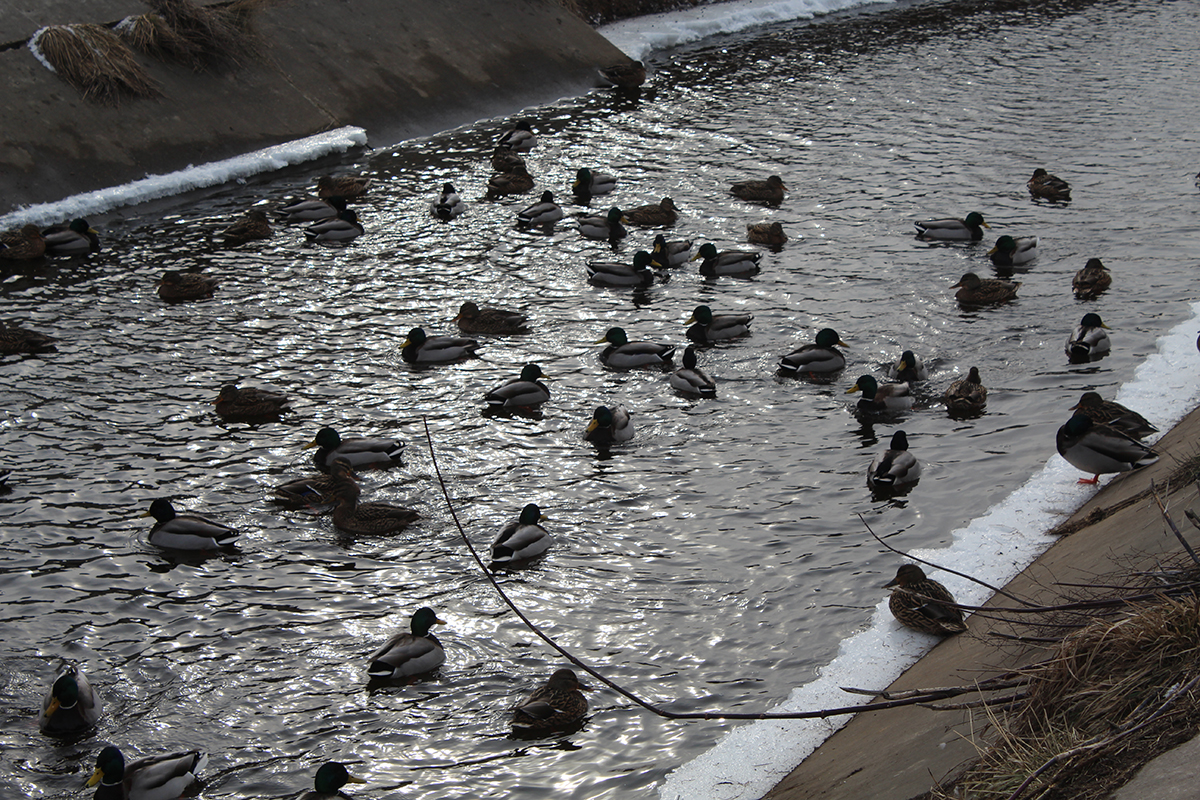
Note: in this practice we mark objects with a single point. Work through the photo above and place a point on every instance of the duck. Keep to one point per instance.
(1089, 340)
(769, 233)
(505, 160)
(234, 404)
(526, 391)
(690, 379)
(921, 603)
(357, 450)
(895, 466)
(408, 654)
(909, 369)
(614, 273)
(1048, 187)
(314, 490)
(880, 398)
(1099, 449)
(543, 212)
(516, 181)
(710, 327)
(769, 191)
(15, 339)
(345, 186)
(71, 705)
(1090, 281)
(625, 76)
(448, 204)
(173, 531)
(76, 239)
(312, 209)
(180, 287)
(671, 253)
(154, 778)
(591, 183)
(331, 777)
(976, 291)
(521, 540)
(419, 348)
(966, 395)
(252, 225)
(342, 228)
(495, 321)
(648, 216)
(369, 519)
(607, 227)
(1012, 251)
(624, 354)
(25, 244)
(520, 138)
(819, 358)
(556, 705)
(953, 229)
(609, 425)
(1113, 414)
(737, 263)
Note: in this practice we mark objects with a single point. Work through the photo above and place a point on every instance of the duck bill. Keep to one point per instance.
(97, 776)
(853, 389)
(592, 426)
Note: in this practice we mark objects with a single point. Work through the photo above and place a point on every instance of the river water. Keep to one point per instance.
(712, 563)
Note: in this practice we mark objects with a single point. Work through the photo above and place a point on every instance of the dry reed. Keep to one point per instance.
(95, 61)
(198, 36)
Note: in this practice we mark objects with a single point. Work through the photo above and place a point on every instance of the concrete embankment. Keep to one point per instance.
(397, 69)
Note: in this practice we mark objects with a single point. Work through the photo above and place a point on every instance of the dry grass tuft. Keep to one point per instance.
(95, 61)
(200, 37)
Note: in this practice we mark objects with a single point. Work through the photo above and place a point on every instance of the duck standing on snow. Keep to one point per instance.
(1100, 449)
(1113, 414)
(447, 205)
(1048, 187)
(690, 379)
(624, 354)
(923, 604)
(819, 358)
(894, 466)
(521, 540)
(407, 654)
(1088, 341)
(886, 398)
(1090, 281)
(420, 348)
(527, 391)
(173, 531)
(953, 229)
(710, 327)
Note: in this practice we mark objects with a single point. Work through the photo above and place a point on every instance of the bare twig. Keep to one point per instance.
(1171, 523)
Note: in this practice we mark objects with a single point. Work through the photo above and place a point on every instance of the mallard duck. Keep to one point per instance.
(368, 519)
(70, 705)
(153, 778)
(1100, 449)
(664, 213)
(607, 227)
(341, 229)
(711, 327)
(625, 76)
(75, 239)
(523, 539)
(358, 451)
(180, 287)
(591, 183)
(312, 210)
(543, 212)
(519, 139)
(920, 603)
(15, 339)
(495, 321)
(523, 392)
(234, 404)
(517, 181)
(419, 348)
(504, 160)
(880, 398)
(894, 466)
(736, 263)
(909, 369)
(1014, 251)
(624, 354)
(609, 425)
(819, 358)
(1090, 281)
(614, 273)
(408, 654)
(448, 204)
(346, 186)
(315, 490)
(25, 244)
(976, 291)
(1048, 187)
(951, 229)
(672, 253)
(252, 225)
(331, 777)
(690, 379)
(1089, 340)
(966, 395)
(187, 531)
(770, 233)
(1113, 414)
(769, 191)
(557, 705)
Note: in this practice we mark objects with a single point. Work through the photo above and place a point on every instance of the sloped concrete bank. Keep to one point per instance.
(398, 70)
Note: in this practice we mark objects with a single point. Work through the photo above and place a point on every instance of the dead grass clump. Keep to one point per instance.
(201, 37)
(150, 34)
(95, 61)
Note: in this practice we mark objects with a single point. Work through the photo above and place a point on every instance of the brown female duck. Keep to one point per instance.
(557, 705)
(921, 603)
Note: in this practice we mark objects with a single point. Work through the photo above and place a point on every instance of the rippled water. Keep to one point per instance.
(712, 563)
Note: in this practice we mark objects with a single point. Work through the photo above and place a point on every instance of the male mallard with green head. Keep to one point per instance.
(405, 655)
